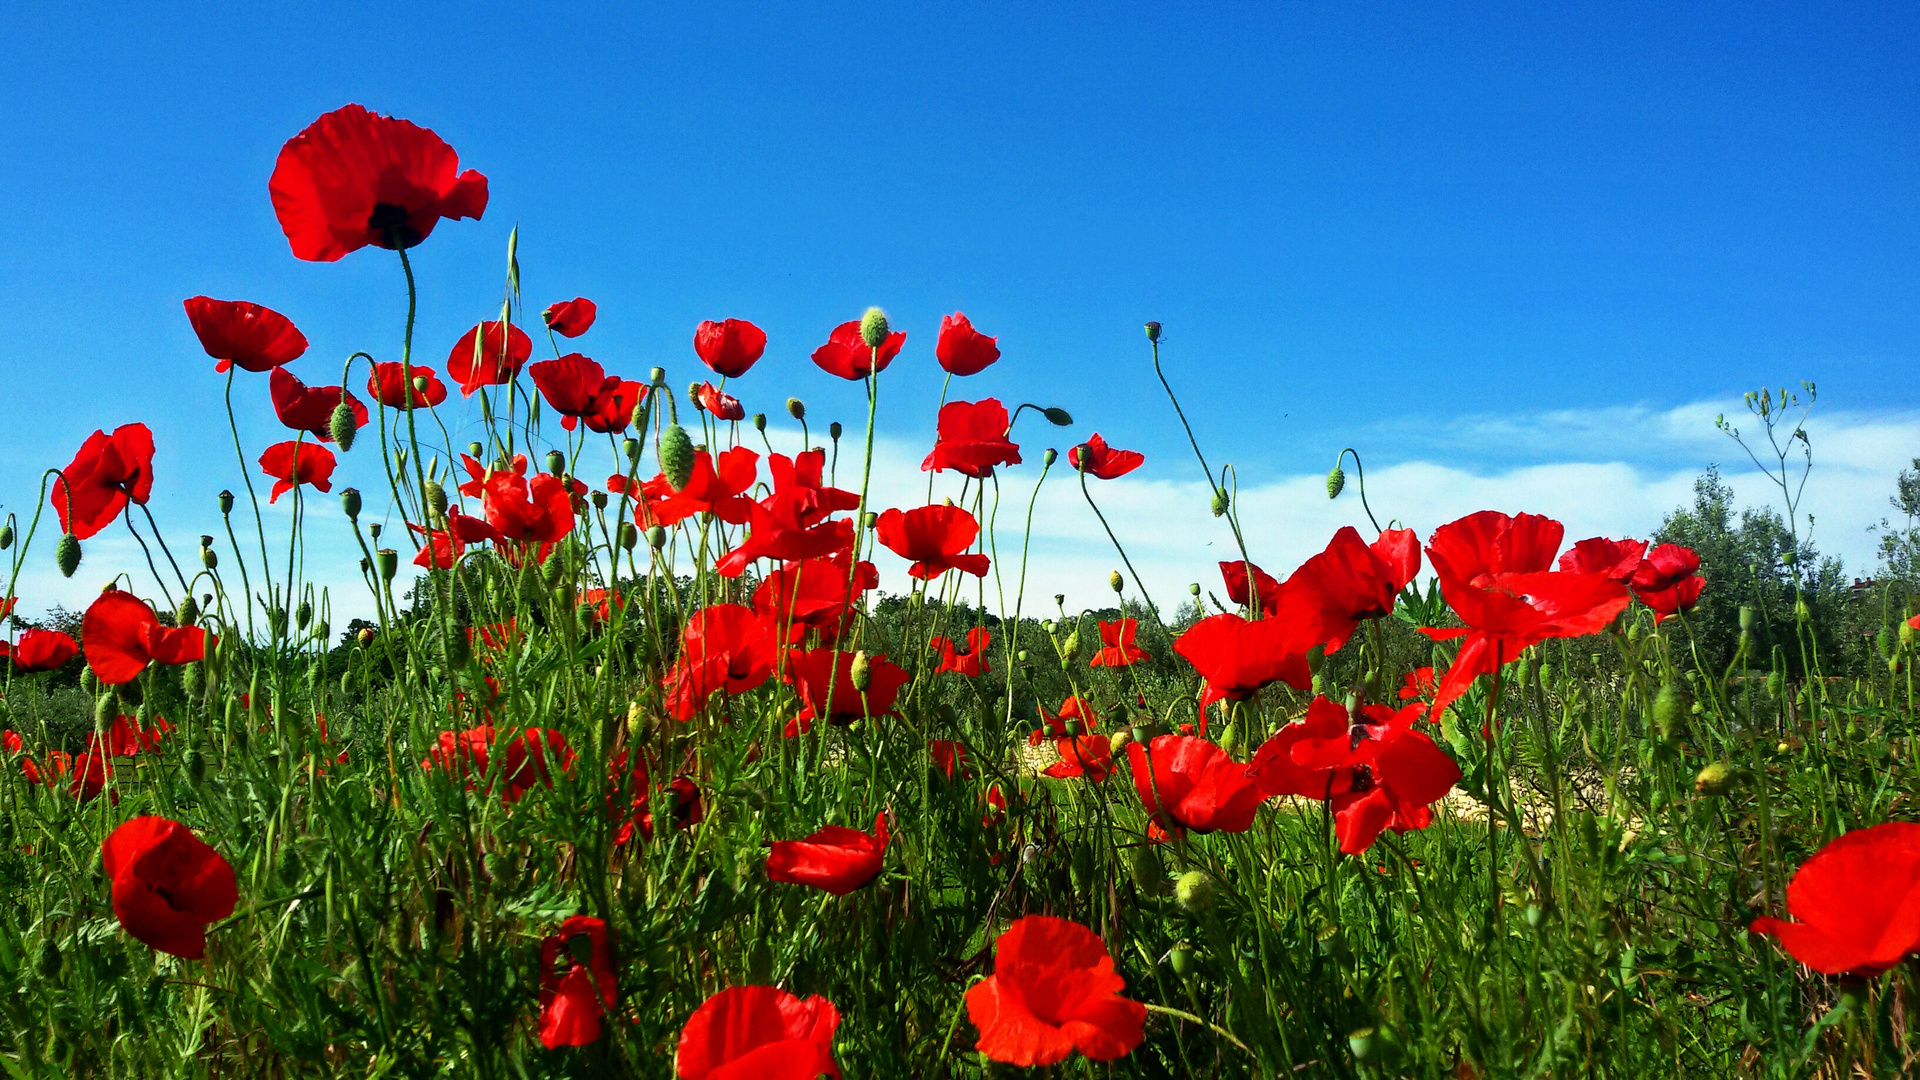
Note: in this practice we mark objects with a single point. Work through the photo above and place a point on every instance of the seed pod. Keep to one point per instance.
(226, 503)
(656, 537)
(1193, 589)
(676, 456)
(629, 535)
(1058, 417)
(389, 563)
(1116, 582)
(862, 670)
(631, 448)
(834, 431)
(66, 555)
(1666, 709)
(599, 500)
(759, 421)
(373, 530)
(556, 462)
(1153, 331)
(1048, 457)
(1336, 482)
(873, 328)
(1195, 892)
(1748, 616)
(303, 614)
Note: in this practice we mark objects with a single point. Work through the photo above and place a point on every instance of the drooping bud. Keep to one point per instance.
(436, 502)
(862, 671)
(1336, 482)
(1058, 417)
(389, 563)
(556, 462)
(1071, 650)
(1219, 502)
(1116, 582)
(1716, 780)
(6, 537)
(873, 328)
(1883, 642)
(350, 502)
(226, 502)
(47, 963)
(676, 456)
(656, 537)
(693, 394)
(1195, 892)
(796, 408)
(343, 426)
(303, 614)
(1776, 683)
(196, 767)
(1153, 331)
(66, 554)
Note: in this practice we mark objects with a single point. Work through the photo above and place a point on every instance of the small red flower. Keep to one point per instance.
(353, 178)
(310, 408)
(758, 1033)
(241, 332)
(572, 1003)
(972, 663)
(1855, 904)
(1090, 756)
(127, 739)
(108, 471)
(521, 509)
(933, 538)
(613, 405)
(388, 384)
(122, 636)
(1191, 783)
(1053, 991)
(572, 386)
(571, 318)
(971, 439)
(1374, 769)
(722, 405)
(1616, 559)
(962, 350)
(847, 354)
(168, 884)
(732, 347)
(292, 464)
(715, 486)
(1237, 657)
(1420, 682)
(43, 650)
(1116, 645)
(1095, 458)
(90, 774)
(811, 672)
(1054, 725)
(1668, 581)
(522, 761)
(835, 859)
(791, 523)
(474, 365)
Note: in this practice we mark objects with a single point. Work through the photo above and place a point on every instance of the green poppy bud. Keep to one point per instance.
(303, 614)
(629, 535)
(1116, 582)
(1153, 331)
(1666, 709)
(1748, 616)
(1149, 874)
(226, 503)
(1193, 589)
(105, 708)
(656, 537)
(556, 462)
(208, 558)
(676, 456)
(759, 421)
(638, 417)
(1195, 892)
(474, 450)
(796, 408)
(693, 394)
(1058, 417)
(196, 763)
(1364, 1044)
(873, 328)
(436, 503)
(862, 670)
(1336, 482)
(1071, 650)
(343, 426)
(389, 563)
(1802, 612)
(188, 612)
(1219, 502)
(1716, 780)
(1776, 683)
(6, 537)
(66, 554)
(1907, 632)
(599, 500)
(1119, 741)
(1316, 656)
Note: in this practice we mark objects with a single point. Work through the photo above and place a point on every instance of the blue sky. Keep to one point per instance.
(1487, 239)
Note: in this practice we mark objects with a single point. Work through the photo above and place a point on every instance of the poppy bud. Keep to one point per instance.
(556, 462)
(66, 554)
(1363, 1044)
(1194, 589)
(1219, 502)
(1195, 892)
(105, 708)
(1071, 650)
(47, 963)
(599, 500)
(1183, 961)
(187, 613)
(474, 450)
(629, 536)
(1716, 780)
(1153, 331)
(656, 537)
(1802, 612)
(350, 502)
(1907, 631)
(1116, 582)
(196, 763)
(1336, 481)
(676, 456)
(303, 614)
(796, 408)
(1048, 457)
(455, 648)
(436, 502)
(389, 562)
(862, 670)
(1119, 740)
(226, 502)
(693, 395)
(6, 537)
(1666, 709)
(638, 417)
(873, 328)
(89, 682)
(1058, 417)
(343, 427)
(1776, 683)
(871, 519)
(1883, 641)
(1021, 656)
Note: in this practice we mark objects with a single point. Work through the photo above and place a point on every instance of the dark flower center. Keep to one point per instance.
(1362, 779)
(389, 223)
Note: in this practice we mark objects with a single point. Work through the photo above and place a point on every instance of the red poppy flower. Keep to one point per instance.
(1095, 458)
(522, 509)
(353, 178)
(835, 859)
(572, 385)
(1234, 573)
(1666, 603)
(498, 637)
(572, 1003)
(241, 332)
(730, 348)
(613, 406)
(1116, 645)
(168, 884)
(570, 318)
(933, 538)
(1352, 581)
(1668, 581)
(108, 471)
(43, 650)
(810, 673)
(716, 487)
(962, 350)
(122, 635)
(388, 384)
(813, 594)
(1053, 991)
(722, 405)
(684, 806)
(847, 354)
(972, 439)
(1090, 756)
(1193, 784)
(1237, 657)
(758, 1033)
(1855, 904)
(973, 662)
(791, 524)
(292, 464)
(1419, 683)
(445, 546)
(522, 764)
(948, 756)
(125, 738)
(1377, 772)
(90, 773)
(310, 408)
(724, 647)
(1617, 560)
(1489, 542)
(1054, 725)
(473, 365)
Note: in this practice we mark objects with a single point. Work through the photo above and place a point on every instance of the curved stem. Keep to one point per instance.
(1360, 478)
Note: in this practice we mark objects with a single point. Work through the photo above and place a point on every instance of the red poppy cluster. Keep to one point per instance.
(1370, 765)
(122, 635)
(522, 761)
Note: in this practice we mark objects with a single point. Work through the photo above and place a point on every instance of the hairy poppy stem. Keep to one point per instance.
(1360, 479)
(1151, 606)
(162, 541)
(259, 524)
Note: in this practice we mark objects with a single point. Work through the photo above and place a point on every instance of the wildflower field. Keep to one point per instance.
(645, 776)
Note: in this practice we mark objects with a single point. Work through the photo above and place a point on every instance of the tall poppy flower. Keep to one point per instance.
(1617, 560)
(1855, 904)
(1095, 458)
(570, 318)
(1374, 769)
(933, 538)
(1054, 725)
(1669, 581)
(1237, 657)
(519, 508)
(43, 650)
(122, 636)
(971, 439)
(834, 859)
(1233, 574)
(106, 473)
(811, 673)
(962, 350)
(722, 405)
(791, 523)
(521, 763)
(388, 384)
(1190, 783)
(292, 464)
(89, 772)
(948, 756)
(1351, 581)
(814, 594)
(168, 884)
(1116, 645)
(973, 662)
(1090, 756)
(748, 1032)
(126, 738)
(731, 347)
(571, 1003)
(716, 485)
(570, 385)
(310, 408)
(613, 406)
(354, 178)
(847, 354)
(242, 332)
(739, 638)
(490, 354)
(1053, 991)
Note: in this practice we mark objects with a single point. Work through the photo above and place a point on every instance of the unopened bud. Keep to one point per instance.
(629, 536)
(862, 671)
(1057, 417)
(1907, 632)
(759, 421)
(365, 636)
(656, 375)
(187, 613)
(350, 502)
(1666, 709)
(226, 502)
(796, 408)
(389, 562)
(303, 614)
(6, 537)
(1336, 482)
(66, 554)
(873, 328)
(1194, 589)
(436, 503)
(474, 450)
(656, 537)
(1195, 892)
(208, 558)
(343, 426)
(599, 500)
(1219, 502)
(1716, 780)
(1116, 582)
(693, 394)
(1153, 331)
(1802, 612)
(675, 451)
